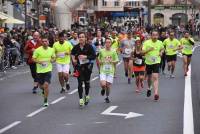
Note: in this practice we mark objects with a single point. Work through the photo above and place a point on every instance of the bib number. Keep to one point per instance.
(107, 67)
(44, 65)
(138, 61)
(83, 61)
(61, 55)
(127, 51)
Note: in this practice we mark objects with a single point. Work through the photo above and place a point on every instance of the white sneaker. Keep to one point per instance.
(172, 76)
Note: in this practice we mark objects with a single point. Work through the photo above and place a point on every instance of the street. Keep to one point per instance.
(21, 112)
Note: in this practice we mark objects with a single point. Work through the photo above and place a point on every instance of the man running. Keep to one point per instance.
(82, 54)
(153, 49)
(127, 47)
(108, 59)
(187, 44)
(43, 56)
(62, 50)
(172, 45)
(30, 47)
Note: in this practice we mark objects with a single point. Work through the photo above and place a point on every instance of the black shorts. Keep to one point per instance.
(155, 68)
(138, 73)
(188, 55)
(44, 77)
(171, 58)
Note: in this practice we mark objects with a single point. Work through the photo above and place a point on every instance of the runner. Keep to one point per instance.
(43, 56)
(108, 59)
(30, 47)
(163, 58)
(172, 45)
(138, 65)
(98, 41)
(153, 49)
(187, 43)
(62, 50)
(127, 47)
(82, 54)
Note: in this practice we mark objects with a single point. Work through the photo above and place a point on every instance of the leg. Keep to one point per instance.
(185, 65)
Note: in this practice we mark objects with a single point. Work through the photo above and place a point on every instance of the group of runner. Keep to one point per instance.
(143, 55)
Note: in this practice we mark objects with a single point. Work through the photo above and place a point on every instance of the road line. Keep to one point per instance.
(57, 100)
(95, 78)
(188, 124)
(73, 92)
(9, 126)
(99, 122)
(36, 112)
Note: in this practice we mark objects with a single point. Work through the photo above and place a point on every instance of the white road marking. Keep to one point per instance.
(127, 116)
(57, 100)
(9, 126)
(68, 124)
(188, 127)
(95, 78)
(99, 122)
(73, 92)
(36, 112)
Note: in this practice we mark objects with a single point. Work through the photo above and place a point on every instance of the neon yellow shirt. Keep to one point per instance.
(105, 55)
(60, 50)
(45, 56)
(115, 44)
(170, 46)
(187, 46)
(152, 57)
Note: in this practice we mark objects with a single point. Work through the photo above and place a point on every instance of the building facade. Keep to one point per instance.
(172, 12)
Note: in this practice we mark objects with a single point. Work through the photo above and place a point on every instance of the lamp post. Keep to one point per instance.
(149, 11)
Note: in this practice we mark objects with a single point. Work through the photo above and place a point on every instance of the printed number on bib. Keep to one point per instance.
(171, 46)
(107, 67)
(127, 51)
(61, 55)
(138, 61)
(83, 61)
(153, 59)
(44, 64)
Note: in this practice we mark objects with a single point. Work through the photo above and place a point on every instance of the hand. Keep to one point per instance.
(75, 62)
(33, 49)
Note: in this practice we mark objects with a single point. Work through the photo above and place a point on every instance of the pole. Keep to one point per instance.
(186, 10)
(149, 11)
(25, 14)
(1, 6)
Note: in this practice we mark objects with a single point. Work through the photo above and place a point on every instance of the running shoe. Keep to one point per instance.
(87, 100)
(129, 80)
(156, 97)
(148, 93)
(172, 76)
(34, 90)
(107, 100)
(102, 92)
(68, 86)
(46, 104)
(62, 90)
(81, 102)
(126, 74)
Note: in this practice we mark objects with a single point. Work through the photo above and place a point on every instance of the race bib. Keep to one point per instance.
(61, 55)
(98, 48)
(127, 51)
(44, 65)
(187, 47)
(138, 61)
(153, 59)
(83, 61)
(107, 67)
(171, 46)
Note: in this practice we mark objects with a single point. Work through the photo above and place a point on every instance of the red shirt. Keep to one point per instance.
(28, 49)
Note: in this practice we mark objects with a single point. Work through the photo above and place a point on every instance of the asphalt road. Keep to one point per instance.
(17, 105)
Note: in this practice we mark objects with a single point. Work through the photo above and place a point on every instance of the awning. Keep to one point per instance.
(3, 16)
(11, 20)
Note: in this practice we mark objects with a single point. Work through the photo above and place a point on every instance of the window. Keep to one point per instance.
(95, 2)
(104, 3)
(116, 3)
(159, 2)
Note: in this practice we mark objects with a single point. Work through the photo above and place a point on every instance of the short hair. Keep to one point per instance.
(61, 34)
